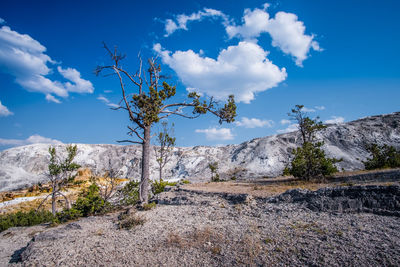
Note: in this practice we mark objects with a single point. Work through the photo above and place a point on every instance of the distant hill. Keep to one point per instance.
(266, 156)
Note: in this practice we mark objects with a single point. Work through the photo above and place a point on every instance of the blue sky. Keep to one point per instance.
(338, 58)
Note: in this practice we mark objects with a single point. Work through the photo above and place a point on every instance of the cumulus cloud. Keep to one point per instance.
(306, 109)
(320, 107)
(241, 70)
(291, 128)
(254, 123)
(284, 122)
(4, 112)
(217, 133)
(51, 98)
(181, 20)
(2, 21)
(33, 139)
(24, 58)
(335, 120)
(286, 31)
(107, 102)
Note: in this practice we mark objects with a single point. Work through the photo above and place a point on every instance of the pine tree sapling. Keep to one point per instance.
(382, 157)
(151, 102)
(214, 171)
(61, 172)
(309, 161)
(166, 142)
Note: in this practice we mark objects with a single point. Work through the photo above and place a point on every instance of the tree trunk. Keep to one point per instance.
(160, 173)
(144, 183)
(53, 202)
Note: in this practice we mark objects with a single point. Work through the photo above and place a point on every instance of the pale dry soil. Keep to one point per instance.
(206, 229)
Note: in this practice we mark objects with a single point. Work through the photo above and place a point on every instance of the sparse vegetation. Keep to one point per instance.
(166, 142)
(214, 171)
(61, 172)
(159, 186)
(382, 157)
(309, 161)
(146, 106)
(149, 206)
(129, 221)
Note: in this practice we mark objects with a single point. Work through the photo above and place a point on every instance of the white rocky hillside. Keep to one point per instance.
(266, 156)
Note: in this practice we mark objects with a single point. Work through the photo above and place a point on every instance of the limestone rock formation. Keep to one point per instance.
(266, 156)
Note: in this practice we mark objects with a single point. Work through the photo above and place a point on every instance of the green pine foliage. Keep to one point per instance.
(309, 161)
(159, 186)
(90, 202)
(214, 171)
(382, 157)
(21, 218)
(130, 193)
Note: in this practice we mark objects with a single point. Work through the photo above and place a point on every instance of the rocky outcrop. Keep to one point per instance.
(266, 156)
(381, 200)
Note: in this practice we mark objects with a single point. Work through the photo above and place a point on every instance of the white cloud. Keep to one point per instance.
(291, 128)
(335, 120)
(51, 98)
(2, 21)
(216, 133)
(319, 107)
(253, 123)
(24, 58)
(284, 122)
(241, 70)
(4, 112)
(107, 91)
(107, 102)
(181, 20)
(79, 85)
(286, 31)
(255, 22)
(33, 139)
(305, 109)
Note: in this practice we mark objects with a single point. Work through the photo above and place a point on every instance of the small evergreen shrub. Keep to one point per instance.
(21, 218)
(67, 215)
(310, 161)
(185, 182)
(159, 186)
(130, 193)
(90, 202)
(382, 157)
(149, 206)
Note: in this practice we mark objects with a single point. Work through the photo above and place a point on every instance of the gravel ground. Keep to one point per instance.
(204, 229)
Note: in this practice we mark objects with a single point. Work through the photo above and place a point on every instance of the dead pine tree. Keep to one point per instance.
(166, 142)
(61, 171)
(151, 101)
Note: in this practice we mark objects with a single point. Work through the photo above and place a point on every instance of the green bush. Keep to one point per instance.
(185, 182)
(130, 193)
(149, 206)
(382, 157)
(159, 186)
(67, 215)
(310, 161)
(21, 218)
(90, 202)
